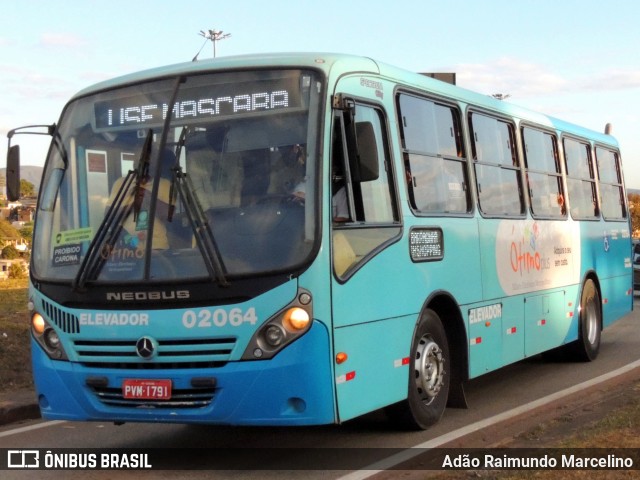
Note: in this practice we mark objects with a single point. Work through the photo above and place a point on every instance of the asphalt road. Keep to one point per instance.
(488, 396)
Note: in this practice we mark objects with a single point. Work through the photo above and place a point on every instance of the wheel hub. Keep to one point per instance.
(429, 369)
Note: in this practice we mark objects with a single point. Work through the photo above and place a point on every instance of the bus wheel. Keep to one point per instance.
(429, 376)
(587, 346)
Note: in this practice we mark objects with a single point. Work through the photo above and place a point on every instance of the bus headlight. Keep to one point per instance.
(52, 339)
(284, 327)
(47, 337)
(38, 323)
(274, 335)
(296, 319)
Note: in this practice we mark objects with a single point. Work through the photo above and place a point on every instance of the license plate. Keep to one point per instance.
(146, 389)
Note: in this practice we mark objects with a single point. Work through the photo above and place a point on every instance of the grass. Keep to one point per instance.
(15, 354)
(618, 427)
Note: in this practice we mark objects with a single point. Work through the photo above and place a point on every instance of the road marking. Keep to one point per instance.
(30, 428)
(411, 452)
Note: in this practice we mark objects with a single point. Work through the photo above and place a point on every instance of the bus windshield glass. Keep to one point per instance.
(197, 177)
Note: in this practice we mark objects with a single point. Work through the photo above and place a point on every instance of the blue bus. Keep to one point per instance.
(301, 239)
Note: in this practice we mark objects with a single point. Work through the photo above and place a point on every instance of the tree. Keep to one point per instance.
(16, 270)
(10, 253)
(26, 232)
(27, 189)
(634, 210)
(7, 232)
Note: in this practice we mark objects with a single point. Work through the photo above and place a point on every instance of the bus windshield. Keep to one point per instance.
(197, 177)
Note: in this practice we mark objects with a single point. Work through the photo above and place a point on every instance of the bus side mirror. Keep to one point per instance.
(13, 156)
(13, 173)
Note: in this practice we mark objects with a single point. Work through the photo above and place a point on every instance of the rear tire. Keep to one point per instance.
(587, 346)
(429, 376)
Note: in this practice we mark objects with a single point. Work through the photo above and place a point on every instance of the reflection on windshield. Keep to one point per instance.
(222, 188)
(127, 194)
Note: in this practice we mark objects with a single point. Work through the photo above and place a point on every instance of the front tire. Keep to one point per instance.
(429, 376)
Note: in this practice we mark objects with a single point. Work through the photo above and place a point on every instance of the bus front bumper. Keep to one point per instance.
(293, 388)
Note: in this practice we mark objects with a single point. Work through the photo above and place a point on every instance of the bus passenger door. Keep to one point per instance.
(366, 256)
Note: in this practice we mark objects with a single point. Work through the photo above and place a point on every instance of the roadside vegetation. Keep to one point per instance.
(612, 423)
(15, 354)
(617, 428)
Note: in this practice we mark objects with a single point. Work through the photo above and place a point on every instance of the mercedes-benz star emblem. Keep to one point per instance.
(145, 347)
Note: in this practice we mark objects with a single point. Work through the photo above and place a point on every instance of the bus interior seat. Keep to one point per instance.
(256, 168)
(343, 255)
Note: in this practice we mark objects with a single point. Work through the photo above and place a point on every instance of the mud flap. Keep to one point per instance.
(457, 398)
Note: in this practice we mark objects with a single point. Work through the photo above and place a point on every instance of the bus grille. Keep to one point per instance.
(171, 354)
(188, 398)
(66, 322)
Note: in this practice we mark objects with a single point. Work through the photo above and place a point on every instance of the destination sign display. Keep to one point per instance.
(199, 103)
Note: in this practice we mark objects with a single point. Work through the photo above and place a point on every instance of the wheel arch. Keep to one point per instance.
(446, 307)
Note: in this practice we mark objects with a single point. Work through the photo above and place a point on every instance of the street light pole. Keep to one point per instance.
(215, 36)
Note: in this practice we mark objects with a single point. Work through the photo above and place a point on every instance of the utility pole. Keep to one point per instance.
(215, 36)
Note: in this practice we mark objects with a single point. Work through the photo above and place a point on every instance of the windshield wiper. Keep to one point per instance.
(172, 191)
(142, 174)
(102, 244)
(181, 185)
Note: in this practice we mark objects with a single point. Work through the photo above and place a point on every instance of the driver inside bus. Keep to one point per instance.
(137, 229)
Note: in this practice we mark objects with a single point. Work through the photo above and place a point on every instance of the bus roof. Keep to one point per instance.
(322, 61)
(337, 65)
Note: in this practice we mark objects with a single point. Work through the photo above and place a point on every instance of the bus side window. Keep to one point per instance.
(434, 156)
(611, 189)
(498, 180)
(543, 174)
(580, 179)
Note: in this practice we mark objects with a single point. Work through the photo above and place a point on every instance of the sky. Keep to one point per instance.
(578, 60)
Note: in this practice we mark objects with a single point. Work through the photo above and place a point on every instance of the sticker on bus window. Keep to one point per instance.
(142, 223)
(67, 254)
(96, 161)
(74, 236)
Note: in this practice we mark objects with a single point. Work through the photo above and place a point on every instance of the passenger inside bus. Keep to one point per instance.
(340, 208)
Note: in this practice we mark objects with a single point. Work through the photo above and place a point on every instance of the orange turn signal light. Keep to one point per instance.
(341, 358)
